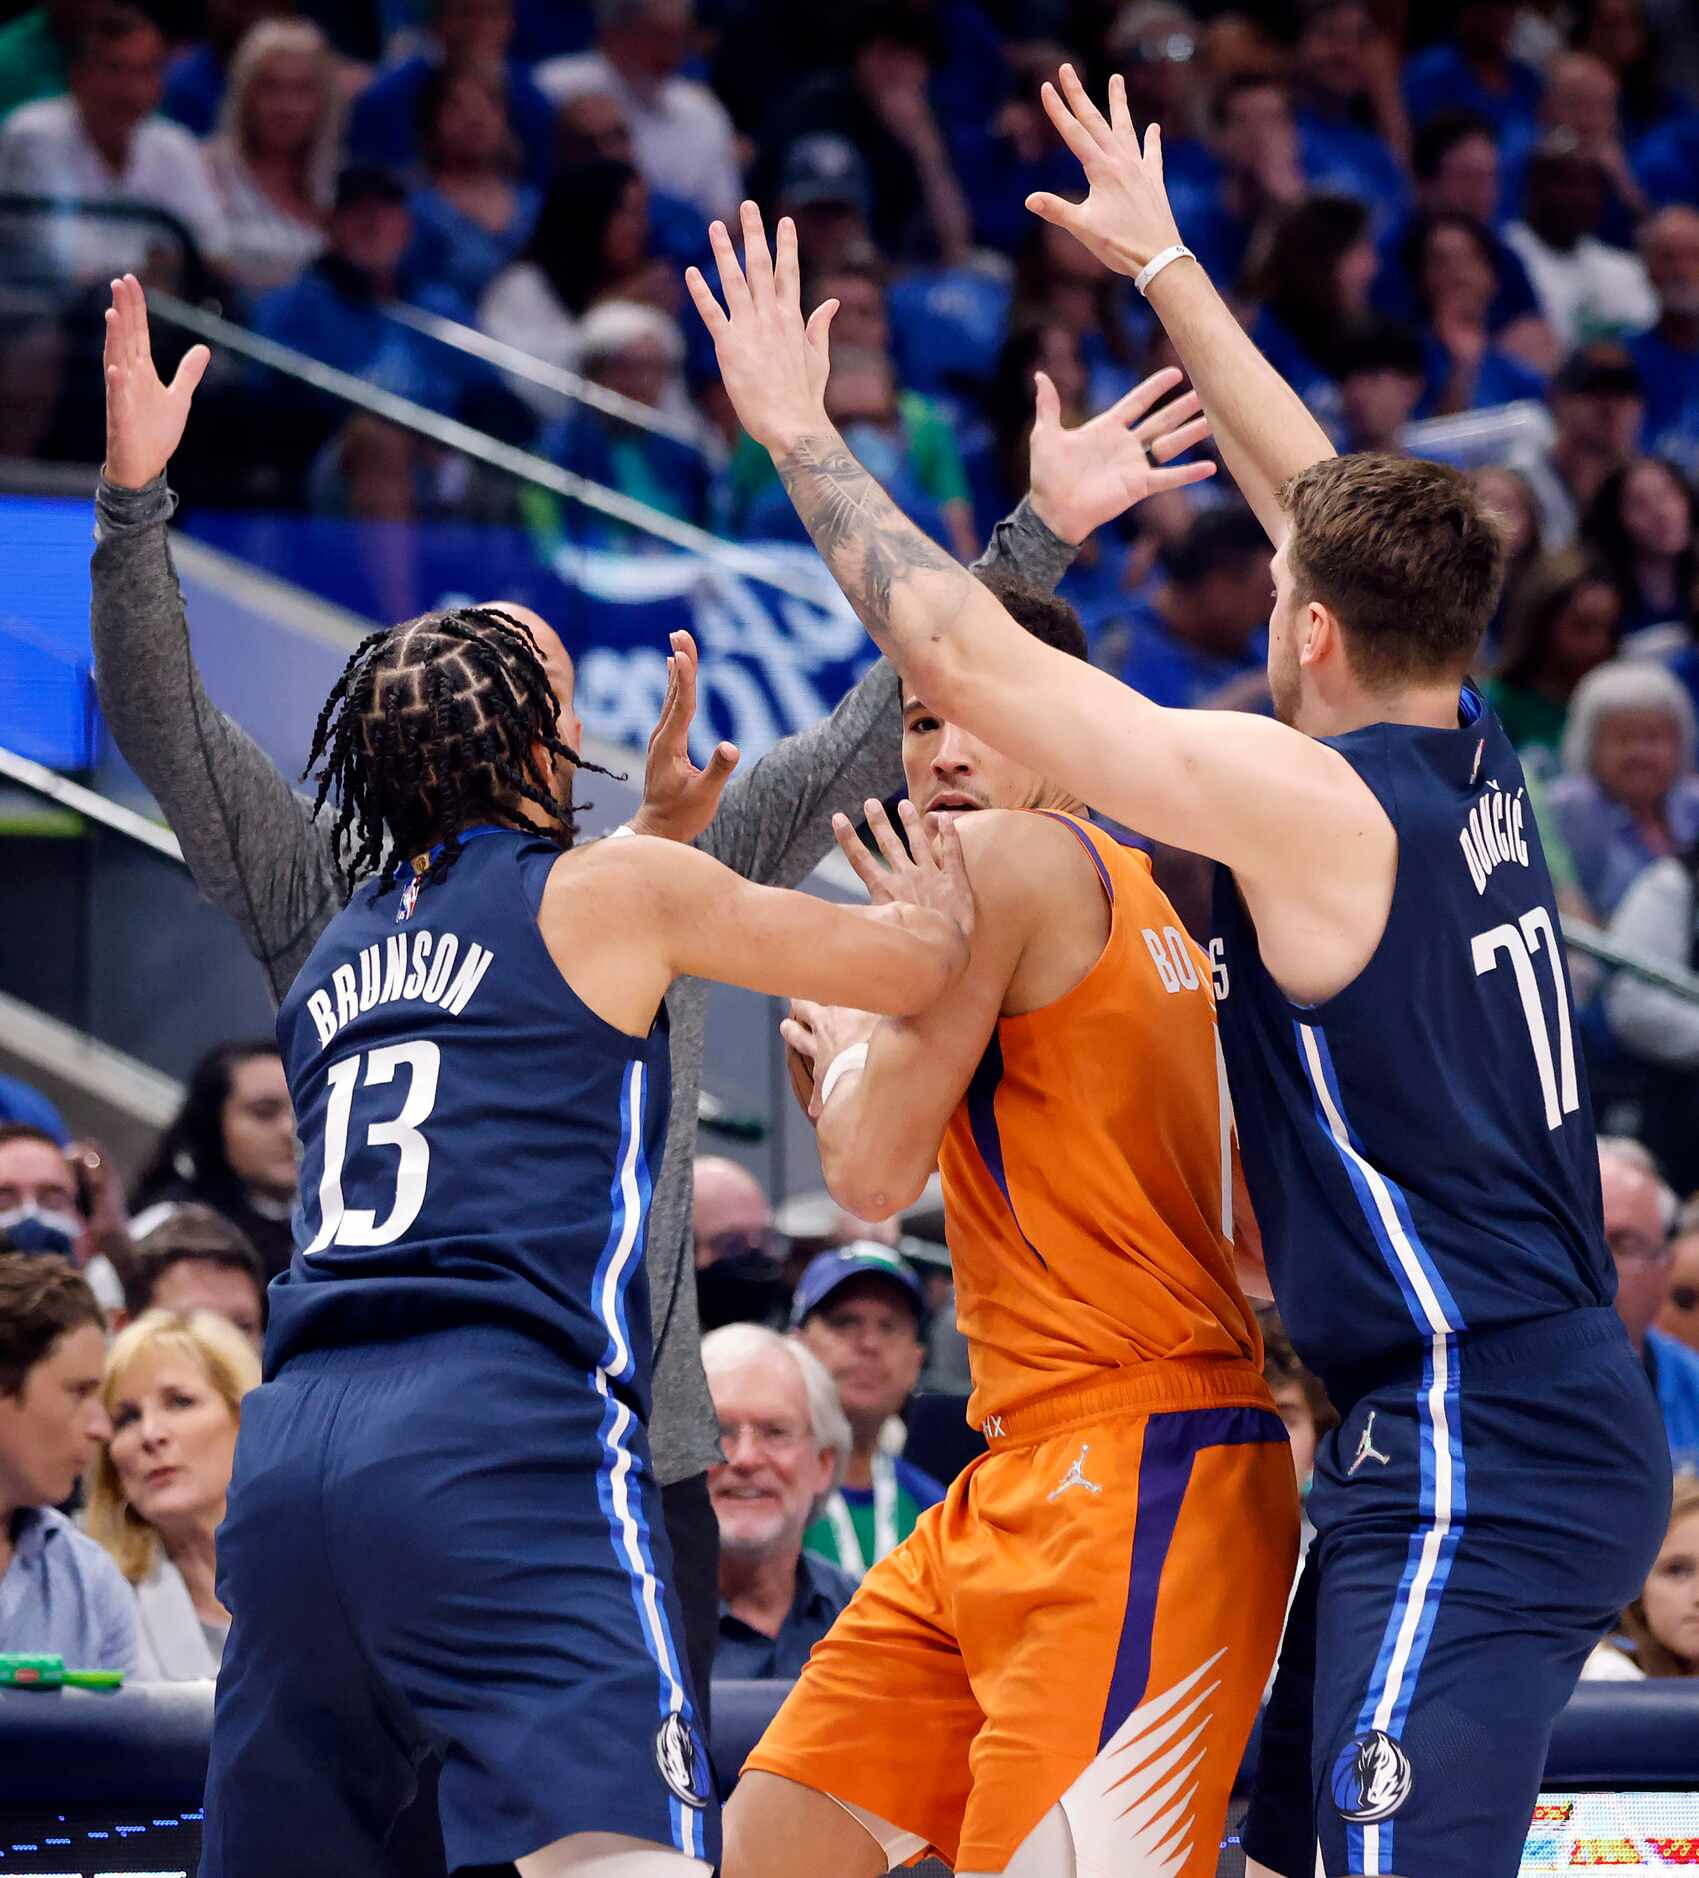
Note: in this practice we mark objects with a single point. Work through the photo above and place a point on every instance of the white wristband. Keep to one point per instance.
(854, 1058)
(1158, 262)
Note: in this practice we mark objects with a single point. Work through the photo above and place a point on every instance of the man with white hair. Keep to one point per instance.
(786, 1442)
(1640, 1213)
(1629, 794)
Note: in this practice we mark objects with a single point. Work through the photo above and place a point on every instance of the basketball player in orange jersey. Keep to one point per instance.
(1057, 1672)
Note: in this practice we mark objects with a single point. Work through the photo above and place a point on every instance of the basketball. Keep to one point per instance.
(801, 1072)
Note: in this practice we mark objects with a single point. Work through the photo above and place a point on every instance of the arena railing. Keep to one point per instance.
(517, 363)
(450, 433)
(114, 1783)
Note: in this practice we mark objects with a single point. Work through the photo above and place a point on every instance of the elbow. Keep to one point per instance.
(872, 1187)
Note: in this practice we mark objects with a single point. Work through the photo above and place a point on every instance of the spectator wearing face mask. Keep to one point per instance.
(740, 1278)
(785, 1441)
(231, 1147)
(862, 1311)
(67, 1202)
(59, 1592)
(172, 1391)
(196, 1260)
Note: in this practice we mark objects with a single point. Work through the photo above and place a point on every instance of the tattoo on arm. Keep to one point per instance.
(873, 550)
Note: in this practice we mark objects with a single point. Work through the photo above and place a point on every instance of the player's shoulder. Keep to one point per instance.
(1025, 855)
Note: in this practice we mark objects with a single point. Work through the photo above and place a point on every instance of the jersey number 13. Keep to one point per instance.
(340, 1224)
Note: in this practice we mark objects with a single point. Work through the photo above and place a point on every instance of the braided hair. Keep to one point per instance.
(428, 732)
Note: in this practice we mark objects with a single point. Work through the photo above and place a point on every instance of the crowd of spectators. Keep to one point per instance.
(821, 1361)
(1472, 232)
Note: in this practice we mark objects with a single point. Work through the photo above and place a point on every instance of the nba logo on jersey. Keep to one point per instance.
(409, 900)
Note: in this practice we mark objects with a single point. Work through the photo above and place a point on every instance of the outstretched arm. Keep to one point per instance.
(250, 841)
(1239, 789)
(1264, 428)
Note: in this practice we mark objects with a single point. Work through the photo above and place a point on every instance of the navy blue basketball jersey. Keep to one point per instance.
(478, 1146)
(1420, 1148)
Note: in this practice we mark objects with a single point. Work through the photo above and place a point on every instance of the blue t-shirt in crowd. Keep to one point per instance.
(1498, 380)
(1671, 424)
(1667, 161)
(1318, 389)
(822, 1591)
(194, 90)
(1674, 1370)
(385, 125)
(319, 315)
(1344, 159)
(457, 255)
(1441, 79)
(63, 1596)
(1164, 668)
(20, 1102)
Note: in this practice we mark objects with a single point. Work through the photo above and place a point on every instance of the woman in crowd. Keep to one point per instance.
(1617, 31)
(590, 243)
(1644, 526)
(1566, 619)
(173, 1392)
(1658, 1635)
(1313, 280)
(1451, 261)
(472, 216)
(231, 1147)
(273, 160)
(1628, 795)
(1679, 1317)
(1516, 508)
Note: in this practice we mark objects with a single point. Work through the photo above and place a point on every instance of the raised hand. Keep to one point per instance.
(930, 872)
(680, 800)
(1125, 219)
(1084, 477)
(144, 418)
(773, 365)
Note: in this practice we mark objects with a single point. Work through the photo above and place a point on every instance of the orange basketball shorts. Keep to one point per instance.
(1089, 1617)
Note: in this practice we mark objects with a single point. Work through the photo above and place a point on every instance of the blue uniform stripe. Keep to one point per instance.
(1433, 1546)
(619, 1485)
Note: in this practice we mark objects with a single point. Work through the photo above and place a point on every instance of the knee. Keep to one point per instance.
(773, 1827)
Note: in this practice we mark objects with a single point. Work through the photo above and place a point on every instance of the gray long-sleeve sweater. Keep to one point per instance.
(257, 851)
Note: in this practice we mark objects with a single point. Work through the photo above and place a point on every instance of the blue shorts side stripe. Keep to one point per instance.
(1433, 1547)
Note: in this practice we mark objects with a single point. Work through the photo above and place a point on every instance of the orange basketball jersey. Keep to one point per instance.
(1088, 1171)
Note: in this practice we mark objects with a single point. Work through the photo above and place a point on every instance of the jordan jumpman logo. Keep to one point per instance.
(1074, 1477)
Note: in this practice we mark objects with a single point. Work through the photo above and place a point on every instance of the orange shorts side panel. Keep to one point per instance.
(1083, 1619)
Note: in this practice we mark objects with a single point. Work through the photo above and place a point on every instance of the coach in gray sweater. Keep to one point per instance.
(256, 849)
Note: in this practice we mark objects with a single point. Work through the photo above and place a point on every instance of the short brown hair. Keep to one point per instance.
(190, 1233)
(41, 1299)
(1403, 553)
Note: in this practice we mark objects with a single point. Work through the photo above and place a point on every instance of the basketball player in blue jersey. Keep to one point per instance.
(444, 1538)
(1397, 1023)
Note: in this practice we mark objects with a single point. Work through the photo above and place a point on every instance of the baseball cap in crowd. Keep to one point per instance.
(368, 182)
(828, 1272)
(823, 167)
(1600, 369)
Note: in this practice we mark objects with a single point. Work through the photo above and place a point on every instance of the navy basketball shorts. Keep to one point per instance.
(448, 1548)
(1480, 1522)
